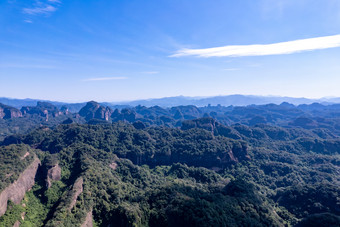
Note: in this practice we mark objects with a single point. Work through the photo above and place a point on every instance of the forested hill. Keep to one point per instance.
(323, 118)
(194, 176)
(184, 166)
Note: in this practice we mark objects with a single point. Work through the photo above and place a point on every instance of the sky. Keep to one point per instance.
(81, 50)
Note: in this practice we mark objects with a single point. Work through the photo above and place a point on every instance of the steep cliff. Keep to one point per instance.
(95, 110)
(8, 112)
(53, 174)
(16, 191)
(88, 220)
(76, 191)
(43, 109)
(66, 205)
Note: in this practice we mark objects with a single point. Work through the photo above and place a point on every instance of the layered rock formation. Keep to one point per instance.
(43, 109)
(94, 110)
(16, 191)
(7, 112)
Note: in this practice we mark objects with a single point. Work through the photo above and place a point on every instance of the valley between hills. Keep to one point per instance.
(214, 165)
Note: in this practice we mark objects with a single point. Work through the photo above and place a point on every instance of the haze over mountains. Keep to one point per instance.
(227, 100)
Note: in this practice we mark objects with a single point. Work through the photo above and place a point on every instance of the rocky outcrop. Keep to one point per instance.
(16, 191)
(66, 204)
(125, 115)
(8, 112)
(94, 110)
(43, 109)
(76, 191)
(89, 110)
(113, 165)
(53, 174)
(103, 113)
(88, 220)
(17, 224)
(64, 110)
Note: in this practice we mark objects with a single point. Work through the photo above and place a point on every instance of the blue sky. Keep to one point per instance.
(80, 50)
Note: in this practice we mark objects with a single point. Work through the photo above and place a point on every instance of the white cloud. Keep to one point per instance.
(105, 78)
(232, 69)
(40, 10)
(42, 7)
(289, 47)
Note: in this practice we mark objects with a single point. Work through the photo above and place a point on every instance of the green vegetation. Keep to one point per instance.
(13, 162)
(204, 174)
(30, 212)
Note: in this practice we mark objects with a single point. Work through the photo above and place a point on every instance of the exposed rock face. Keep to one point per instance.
(2, 112)
(16, 191)
(64, 110)
(103, 113)
(125, 115)
(53, 174)
(12, 113)
(95, 110)
(17, 224)
(113, 165)
(7, 112)
(43, 109)
(89, 110)
(25, 155)
(88, 221)
(76, 191)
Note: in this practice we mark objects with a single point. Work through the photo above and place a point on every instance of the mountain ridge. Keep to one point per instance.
(224, 100)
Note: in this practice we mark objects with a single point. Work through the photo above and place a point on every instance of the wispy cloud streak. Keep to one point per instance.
(105, 78)
(42, 7)
(232, 69)
(290, 47)
(40, 10)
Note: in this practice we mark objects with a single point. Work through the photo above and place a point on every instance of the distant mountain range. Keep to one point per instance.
(19, 103)
(235, 100)
(228, 100)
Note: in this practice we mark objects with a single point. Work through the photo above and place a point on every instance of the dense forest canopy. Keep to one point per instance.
(270, 165)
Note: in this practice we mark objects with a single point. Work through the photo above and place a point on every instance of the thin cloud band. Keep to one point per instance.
(289, 47)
